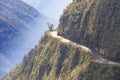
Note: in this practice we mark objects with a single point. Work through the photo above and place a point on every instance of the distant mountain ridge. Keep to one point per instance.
(19, 22)
(84, 47)
(14, 18)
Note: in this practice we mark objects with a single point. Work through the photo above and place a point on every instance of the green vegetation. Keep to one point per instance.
(51, 59)
(96, 71)
(54, 60)
(51, 26)
(94, 23)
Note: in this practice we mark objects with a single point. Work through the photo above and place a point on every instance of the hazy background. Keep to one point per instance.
(50, 8)
(13, 20)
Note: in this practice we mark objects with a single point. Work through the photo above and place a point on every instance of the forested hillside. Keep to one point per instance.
(84, 47)
(94, 23)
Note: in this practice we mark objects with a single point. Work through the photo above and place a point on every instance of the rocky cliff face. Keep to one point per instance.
(94, 23)
(57, 58)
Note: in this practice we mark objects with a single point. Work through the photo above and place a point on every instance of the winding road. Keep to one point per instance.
(100, 59)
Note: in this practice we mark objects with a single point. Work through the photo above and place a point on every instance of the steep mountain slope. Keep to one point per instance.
(59, 58)
(20, 30)
(51, 59)
(55, 59)
(94, 23)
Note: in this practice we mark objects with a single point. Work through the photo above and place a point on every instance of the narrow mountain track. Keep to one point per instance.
(100, 58)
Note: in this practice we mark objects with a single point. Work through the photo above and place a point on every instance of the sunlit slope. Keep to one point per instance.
(56, 59)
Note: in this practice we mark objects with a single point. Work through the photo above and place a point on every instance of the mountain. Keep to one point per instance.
(94, 23)
(73, 51)
(20, 29)
(52, 9)
(48, 7)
